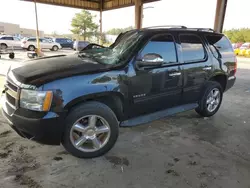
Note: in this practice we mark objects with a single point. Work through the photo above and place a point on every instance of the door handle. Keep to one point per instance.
(207, 68)
(175, 74)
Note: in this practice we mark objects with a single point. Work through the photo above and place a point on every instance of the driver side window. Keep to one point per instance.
(162, 45)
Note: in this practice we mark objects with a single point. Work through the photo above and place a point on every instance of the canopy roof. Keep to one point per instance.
(92, 4)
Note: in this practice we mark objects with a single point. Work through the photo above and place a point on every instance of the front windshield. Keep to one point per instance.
(117, 53)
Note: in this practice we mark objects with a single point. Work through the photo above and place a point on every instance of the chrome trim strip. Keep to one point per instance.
(12, 106)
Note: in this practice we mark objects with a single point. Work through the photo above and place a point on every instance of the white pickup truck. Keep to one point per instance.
(7, 41)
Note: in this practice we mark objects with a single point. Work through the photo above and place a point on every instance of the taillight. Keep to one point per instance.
(235, 65)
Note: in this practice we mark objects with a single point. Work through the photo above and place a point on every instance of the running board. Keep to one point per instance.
(157, 115)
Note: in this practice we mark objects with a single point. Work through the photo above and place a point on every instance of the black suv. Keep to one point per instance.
(81, 100)
(64, 42)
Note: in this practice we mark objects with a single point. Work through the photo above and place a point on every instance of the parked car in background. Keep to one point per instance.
(92, 46)
(64, 42)
(9, 41)
(244, 48)
(31, 44)
(80, 45)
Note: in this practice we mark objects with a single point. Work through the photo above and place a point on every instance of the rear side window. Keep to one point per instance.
(32, 40)
(192, 48)
(163, 45)
(219, 45)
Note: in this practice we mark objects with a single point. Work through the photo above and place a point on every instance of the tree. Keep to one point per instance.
(83, 24)
(117, 31)
(238, 35)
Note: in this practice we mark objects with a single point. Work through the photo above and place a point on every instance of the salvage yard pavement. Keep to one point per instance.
(185, 150)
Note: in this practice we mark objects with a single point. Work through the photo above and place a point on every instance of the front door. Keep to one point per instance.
(157, 87)
(196, 66)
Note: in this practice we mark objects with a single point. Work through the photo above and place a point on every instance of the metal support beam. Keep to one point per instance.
(138, 14)
(100, 39)
(37, 29)
(101, 36)
(220, 15)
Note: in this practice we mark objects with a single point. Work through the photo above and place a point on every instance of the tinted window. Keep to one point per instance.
(163, 45)
(7, 38)
(192, 48)
(32, 40)
(219, 45)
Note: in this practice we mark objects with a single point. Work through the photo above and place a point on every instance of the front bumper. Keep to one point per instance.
(45, 128)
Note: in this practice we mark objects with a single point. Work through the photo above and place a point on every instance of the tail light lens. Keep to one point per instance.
(235, 65)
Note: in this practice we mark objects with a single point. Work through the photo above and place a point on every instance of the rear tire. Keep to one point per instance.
(55, 48)
(11, 55)
(211, 99)
(31, 48)
(80, 116)
(3, 46)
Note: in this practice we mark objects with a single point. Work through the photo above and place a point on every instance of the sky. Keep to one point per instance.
(190, 13)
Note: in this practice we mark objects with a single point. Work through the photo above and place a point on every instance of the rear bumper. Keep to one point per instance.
(230, 82)
(46, 130)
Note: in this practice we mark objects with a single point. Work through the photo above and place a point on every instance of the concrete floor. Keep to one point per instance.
(181, 151)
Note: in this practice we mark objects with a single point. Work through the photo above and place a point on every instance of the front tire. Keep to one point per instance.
(91, 130)
(211, 99)
(31, 48)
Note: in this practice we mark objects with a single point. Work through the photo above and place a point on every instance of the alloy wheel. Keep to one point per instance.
(213, 99)
(90, 133)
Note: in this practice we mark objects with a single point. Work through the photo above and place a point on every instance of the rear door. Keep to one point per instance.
(16, 42)
(196, 66)
(159, 87)
(46, 44)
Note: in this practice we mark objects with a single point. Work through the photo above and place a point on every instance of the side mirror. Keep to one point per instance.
(151, 59)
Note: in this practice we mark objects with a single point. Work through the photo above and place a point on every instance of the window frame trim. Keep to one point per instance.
(203, 45)
(174, 40)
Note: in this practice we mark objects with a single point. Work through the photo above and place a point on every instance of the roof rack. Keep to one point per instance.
(166, 26)
(202, 29)
(180, 27)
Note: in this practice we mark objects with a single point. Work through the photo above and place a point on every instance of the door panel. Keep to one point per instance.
(156, 89)
(196, 67)
(159, 87)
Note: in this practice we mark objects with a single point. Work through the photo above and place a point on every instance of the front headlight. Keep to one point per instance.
(36, 100)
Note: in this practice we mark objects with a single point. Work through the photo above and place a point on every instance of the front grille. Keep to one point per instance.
(12, 86)
(12, 94)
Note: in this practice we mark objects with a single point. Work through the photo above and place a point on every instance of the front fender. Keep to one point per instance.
(69, 91)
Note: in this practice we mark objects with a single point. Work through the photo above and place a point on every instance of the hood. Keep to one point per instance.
(46, 69)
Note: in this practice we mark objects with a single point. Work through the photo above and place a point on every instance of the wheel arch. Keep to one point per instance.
(113, 100)
(221, 79)
(2, 43)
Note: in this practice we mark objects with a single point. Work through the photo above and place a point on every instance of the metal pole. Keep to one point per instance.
(37, 30)
(101, 7)
(100, 41)
(138, 14)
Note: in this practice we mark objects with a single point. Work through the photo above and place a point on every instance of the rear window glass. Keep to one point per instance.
(7, 38)
(219, 45)
(192, 48)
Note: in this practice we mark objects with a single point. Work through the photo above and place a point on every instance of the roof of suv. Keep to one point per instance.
(176, 28)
